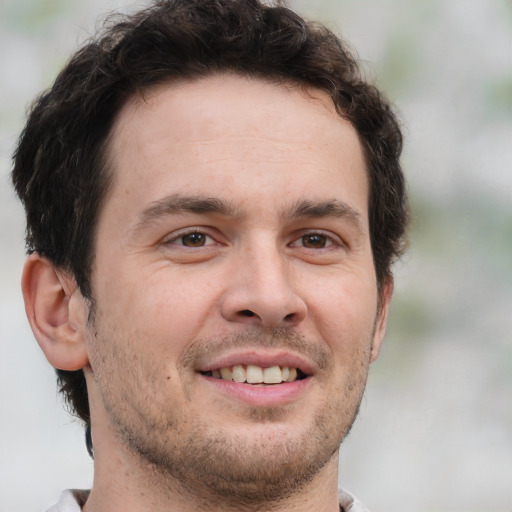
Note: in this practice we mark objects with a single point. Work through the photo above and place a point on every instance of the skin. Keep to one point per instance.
(272, 184)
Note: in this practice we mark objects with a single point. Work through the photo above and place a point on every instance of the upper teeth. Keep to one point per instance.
(256, 374)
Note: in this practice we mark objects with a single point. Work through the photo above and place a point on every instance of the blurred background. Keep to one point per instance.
(435, 428)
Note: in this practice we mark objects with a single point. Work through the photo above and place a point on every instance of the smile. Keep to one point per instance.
(252, 374)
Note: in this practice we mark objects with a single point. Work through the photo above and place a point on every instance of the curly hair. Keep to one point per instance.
(61, 171)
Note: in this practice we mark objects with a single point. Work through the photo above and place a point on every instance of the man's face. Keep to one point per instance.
(234, 244)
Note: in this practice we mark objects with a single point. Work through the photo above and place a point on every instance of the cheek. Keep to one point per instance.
(343, 314)
(161, 306)
(345, 302)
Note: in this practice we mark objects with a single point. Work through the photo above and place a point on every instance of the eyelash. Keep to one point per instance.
(180, 236)
(329, 239)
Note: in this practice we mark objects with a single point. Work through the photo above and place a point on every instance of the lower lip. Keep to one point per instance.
(260, 395)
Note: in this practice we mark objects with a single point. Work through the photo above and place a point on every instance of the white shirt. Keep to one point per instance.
(67, 503)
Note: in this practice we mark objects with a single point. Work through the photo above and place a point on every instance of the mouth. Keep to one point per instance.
(253, 374)
(259, 378)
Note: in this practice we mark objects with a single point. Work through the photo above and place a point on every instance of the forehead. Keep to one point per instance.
(204, 134)
(199, 106)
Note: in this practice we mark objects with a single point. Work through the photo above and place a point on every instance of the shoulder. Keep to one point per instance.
(349, 503)
(70, 501)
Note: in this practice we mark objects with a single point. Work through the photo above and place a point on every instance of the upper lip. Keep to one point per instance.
(264, 359)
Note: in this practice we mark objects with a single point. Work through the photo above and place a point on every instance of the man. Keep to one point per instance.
(214, 201)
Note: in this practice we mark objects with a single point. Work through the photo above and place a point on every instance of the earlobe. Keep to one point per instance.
(56, 312)
(382, 317)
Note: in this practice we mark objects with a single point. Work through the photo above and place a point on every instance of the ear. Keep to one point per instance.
(57, 313)
(381, 321)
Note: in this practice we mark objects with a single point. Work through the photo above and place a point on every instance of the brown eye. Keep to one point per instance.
(193, 239)
(314, 241)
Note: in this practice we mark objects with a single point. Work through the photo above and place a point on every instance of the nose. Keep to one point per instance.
(261, 291)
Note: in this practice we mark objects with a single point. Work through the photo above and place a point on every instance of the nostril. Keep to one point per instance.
(247, 312)
(291, 316)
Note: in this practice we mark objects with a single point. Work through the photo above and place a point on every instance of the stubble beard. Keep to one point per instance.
(188, 456)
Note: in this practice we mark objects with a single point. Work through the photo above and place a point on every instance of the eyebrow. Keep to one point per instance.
(176, 203)
(325, 209)
(332, 208)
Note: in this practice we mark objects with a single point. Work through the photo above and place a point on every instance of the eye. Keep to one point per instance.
(192, 239)
(313, 241)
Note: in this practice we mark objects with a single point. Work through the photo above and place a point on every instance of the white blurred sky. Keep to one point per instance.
(435, 429)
